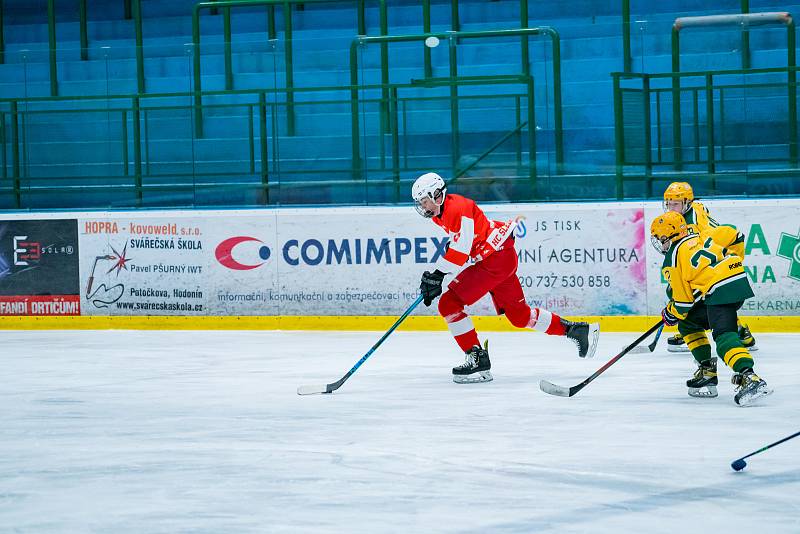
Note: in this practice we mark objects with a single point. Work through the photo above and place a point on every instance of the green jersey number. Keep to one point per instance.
(712, 258)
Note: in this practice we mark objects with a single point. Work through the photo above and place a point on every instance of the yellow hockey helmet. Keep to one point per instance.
(678, 196)
(666, 229)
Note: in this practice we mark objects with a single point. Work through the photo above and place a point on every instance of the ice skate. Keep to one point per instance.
(704, 382)
(676, 344)
(747, 339)
(749, 387)
(475, 367)
(584, 335)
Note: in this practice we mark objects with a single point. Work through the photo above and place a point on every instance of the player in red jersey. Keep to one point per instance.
(489, 246)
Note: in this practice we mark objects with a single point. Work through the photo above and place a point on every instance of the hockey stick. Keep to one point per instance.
(330, 388)
(740, 464)
(561, 391)
(651, 347)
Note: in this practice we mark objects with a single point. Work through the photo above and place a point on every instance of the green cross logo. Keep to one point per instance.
(789, 248)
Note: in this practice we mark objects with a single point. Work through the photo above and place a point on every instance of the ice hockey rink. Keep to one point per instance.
(146, 431)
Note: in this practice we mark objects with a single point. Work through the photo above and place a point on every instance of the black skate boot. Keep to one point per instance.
(475, 367)
(704, 382)
(676, 344)
(749, 387)
(584, 335)
(747, 338)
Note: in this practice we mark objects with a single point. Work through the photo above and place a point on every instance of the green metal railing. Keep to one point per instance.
(452, 39)
(288, 61)
(133, 10)
(627, 58)
(740, 21)
(638, 112)
(129, 115)
(84, 41)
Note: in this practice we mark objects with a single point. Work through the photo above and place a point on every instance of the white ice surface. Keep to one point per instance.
(119, 431)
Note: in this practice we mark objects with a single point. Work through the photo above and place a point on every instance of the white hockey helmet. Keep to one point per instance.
(431, 186)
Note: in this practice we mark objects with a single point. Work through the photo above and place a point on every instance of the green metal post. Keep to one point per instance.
(262, 129)
(146, 143)
(15, 151)
(676, 101)
(710, 123)
(213, 10)
(356, 141)
(126, 8)
(627, 59)
(271, 22)
(745, 38)
(198, 100)
(722, 124)
(525, 49)
(696, 121)
(137, 146)
(287, 30)
(251, 141)
(362, 21)
(558, 117)
(24, 168)
(792, 78)
(395, 144)
(137, 22)
(518, 136)
(658, 126)
(532, 173)
(454, 118)
(384, 28)
(4, 162)
(226, 31)
(648, 160)
(619, 132)
(455, 20)
(2, 37)
(51, 35)
(83, 31)
(124, 142)
(426, 28)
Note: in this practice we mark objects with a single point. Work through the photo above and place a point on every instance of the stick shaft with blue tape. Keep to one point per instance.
(330, 388)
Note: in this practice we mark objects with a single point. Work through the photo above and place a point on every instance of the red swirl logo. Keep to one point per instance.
(224, 253)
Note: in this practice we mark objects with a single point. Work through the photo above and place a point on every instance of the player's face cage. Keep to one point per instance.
(427, 205)
(662, 243)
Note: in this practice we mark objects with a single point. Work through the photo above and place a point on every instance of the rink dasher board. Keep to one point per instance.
(328, 268)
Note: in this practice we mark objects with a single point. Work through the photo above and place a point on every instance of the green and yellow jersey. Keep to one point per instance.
(698, 219)
(697, 267)
(700, 222)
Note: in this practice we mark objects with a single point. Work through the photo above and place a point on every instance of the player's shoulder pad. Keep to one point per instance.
(680, 248)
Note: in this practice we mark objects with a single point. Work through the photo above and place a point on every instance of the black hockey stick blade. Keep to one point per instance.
(311, 390)
(561, 391)
(321, 389)
(652, 346)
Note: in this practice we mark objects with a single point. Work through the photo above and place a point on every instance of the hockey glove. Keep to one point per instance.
(431, 286)
(668, 318)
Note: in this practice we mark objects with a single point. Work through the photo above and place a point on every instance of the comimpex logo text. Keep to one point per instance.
(348, 251)
(363, 251)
